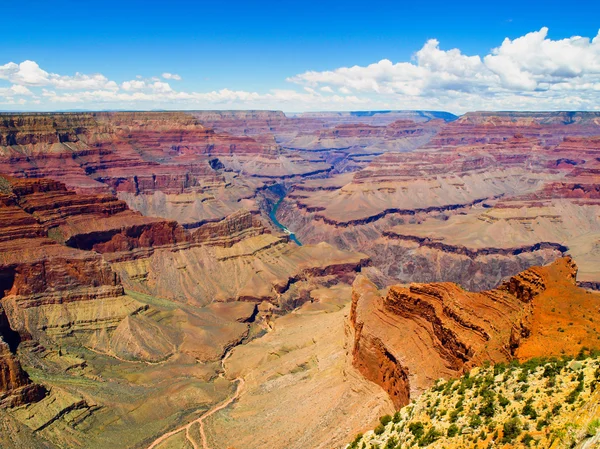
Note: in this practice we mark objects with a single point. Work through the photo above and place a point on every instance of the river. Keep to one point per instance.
(273, 216)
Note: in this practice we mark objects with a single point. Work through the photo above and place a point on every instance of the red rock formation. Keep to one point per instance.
(418, 333)
(478, 163)
(230, 230)
(15, 386)
(100, 222)
(495, 127)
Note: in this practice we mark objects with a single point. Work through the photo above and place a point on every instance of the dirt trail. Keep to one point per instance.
(210, 412)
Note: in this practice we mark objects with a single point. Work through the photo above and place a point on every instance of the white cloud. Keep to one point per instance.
(134, 85)
(529, 72)
(15, 91)
(27, 73)
(171, 76)
(82, 81)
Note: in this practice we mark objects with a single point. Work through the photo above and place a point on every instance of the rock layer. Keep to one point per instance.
(416, 334)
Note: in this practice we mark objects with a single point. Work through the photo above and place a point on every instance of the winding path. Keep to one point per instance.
(210, 412)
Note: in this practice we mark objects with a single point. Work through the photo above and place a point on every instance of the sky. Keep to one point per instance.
(300, 55)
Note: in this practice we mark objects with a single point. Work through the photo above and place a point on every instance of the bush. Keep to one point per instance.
(396, 418)
(541, 424)
(416, 428)
(488, 409)
(499, 368)
(503, 401)
(379, 429)
(430, 437)
(357, 439)
(528, 410)
(572, 397)
(454, 415)
(385, 420)
(452, 430)
(511, 430)
(593, 427)
(527, 438)
(391, 443)
(474, 421)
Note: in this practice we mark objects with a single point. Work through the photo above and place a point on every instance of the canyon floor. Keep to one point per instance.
(251, 279)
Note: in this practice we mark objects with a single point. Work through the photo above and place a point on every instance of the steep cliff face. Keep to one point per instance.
(15, 386)
(47, 288)
(371, 356)
(418, 333)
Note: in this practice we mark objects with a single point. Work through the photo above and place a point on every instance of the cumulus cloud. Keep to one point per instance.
(15, 91)
(171, 76)
(529, 72)
(27, 73)
(531, 67)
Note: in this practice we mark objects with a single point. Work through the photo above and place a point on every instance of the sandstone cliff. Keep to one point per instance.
(418, 333)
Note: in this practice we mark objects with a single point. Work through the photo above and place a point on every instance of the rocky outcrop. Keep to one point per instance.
(98, 222)
(15, 386)
(418, 333)
(46, 287)
(232, 229)
(370, 354)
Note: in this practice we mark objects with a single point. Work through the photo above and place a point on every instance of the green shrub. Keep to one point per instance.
(454, 415)
(430, 437)
(379, 429)
(541, 424)
(391, 443)
(452, 430)
(528, 410)
(511, 430)
(475, 421)
(527, 439)
(488, 409)
(593, 427)
(499, 368)
(357, 439)
(385, 420)
(416, 428)
(572, 397)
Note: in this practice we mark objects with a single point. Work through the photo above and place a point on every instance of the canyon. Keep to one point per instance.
(181, 279)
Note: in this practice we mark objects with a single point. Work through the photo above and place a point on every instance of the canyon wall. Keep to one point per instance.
(411, 336)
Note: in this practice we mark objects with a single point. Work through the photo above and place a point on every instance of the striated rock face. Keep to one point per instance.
(416, 334)
(262, 267)
(370, 354)
(15, 386)
(162, 164)
(232, 229)
(48, 288)
(494, 127)
(490, 195)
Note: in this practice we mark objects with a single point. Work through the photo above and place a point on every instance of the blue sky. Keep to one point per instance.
(254, 54)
